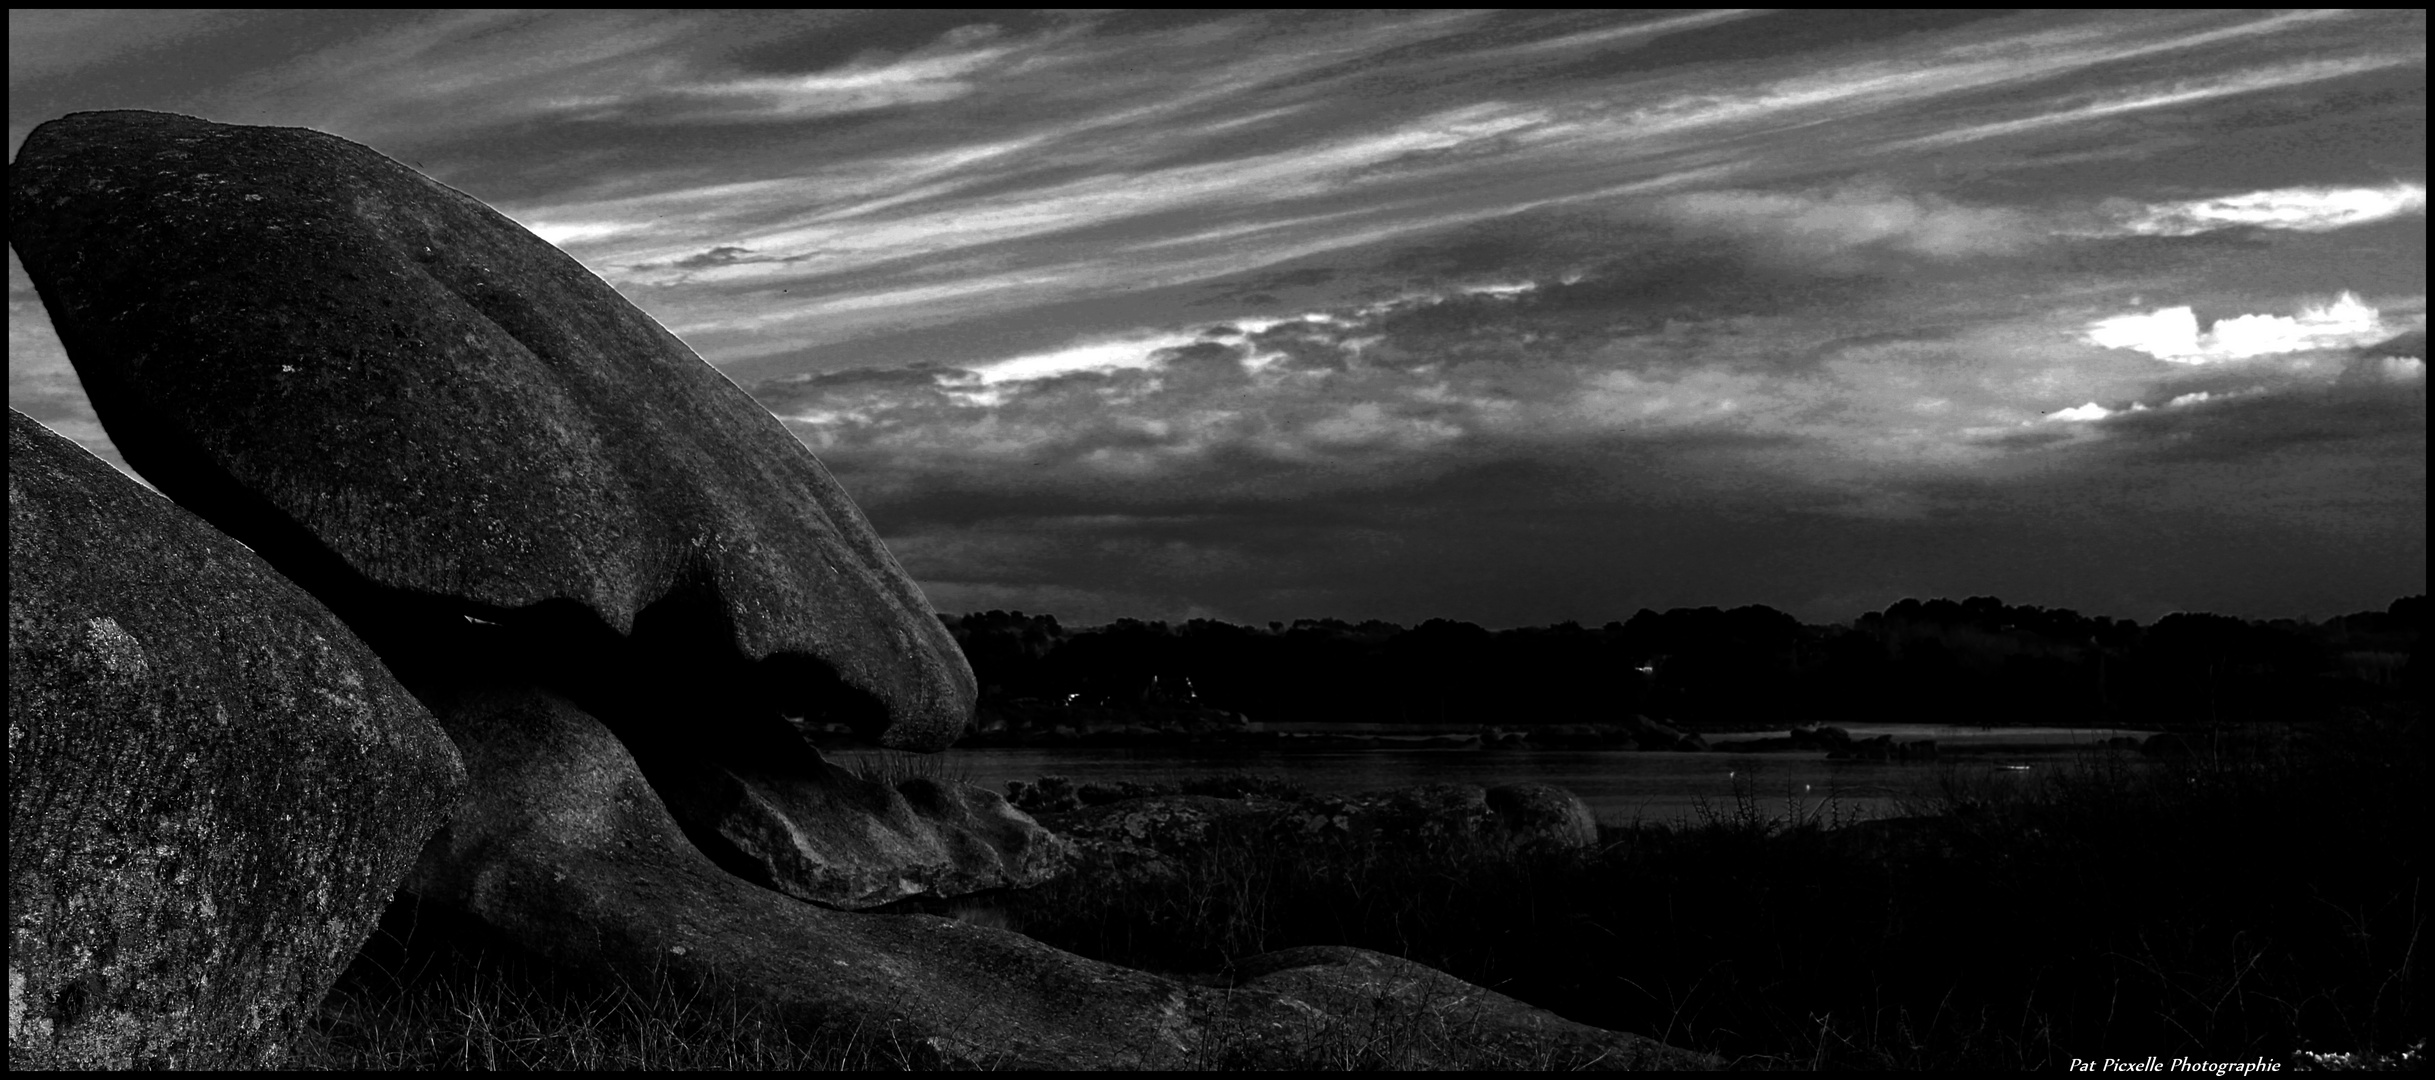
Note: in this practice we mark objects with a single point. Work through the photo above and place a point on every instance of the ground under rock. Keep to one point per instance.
(214, 787)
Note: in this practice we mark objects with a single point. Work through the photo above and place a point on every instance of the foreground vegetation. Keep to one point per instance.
(2262, 899)
(2265, 897)
(457, 1009)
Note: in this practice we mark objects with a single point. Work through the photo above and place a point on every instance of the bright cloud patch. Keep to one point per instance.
(1856, 216)
(2090, 411)
(2094, 411)
(1111, 355)
(2307, 209)
(2173, 334)
(563, 233)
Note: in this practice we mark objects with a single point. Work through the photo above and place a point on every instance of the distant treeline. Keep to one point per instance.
(1972, 662)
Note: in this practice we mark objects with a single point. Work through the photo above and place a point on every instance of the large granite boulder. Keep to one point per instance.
(445, 427)
(415, 407)
(617, 582)
(213, 786)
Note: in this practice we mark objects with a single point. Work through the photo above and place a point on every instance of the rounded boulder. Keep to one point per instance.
(214, 786)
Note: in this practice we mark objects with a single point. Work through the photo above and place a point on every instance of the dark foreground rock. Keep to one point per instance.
(213, 785)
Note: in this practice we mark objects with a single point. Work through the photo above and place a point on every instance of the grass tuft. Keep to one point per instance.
(437, 1003)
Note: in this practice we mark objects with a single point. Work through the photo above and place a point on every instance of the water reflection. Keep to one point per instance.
(1621, 787)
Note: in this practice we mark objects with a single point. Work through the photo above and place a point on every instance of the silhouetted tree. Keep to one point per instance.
(1978, 660)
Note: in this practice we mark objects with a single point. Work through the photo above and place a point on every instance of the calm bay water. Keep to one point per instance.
(1619, 786)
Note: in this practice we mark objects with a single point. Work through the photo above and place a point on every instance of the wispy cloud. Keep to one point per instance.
(1858, 216)
(1152, 312)
(2305, 209)
(947, 71)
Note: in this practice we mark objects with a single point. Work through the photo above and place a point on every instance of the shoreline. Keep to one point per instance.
(1888, 740)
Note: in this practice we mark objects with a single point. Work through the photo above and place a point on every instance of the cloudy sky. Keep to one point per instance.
(1510, 317)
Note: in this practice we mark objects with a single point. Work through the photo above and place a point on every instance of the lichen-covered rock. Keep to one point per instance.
(214, 787)
(397, 394)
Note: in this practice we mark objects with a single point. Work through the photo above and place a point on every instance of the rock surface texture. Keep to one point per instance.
(618, 584)
(396, 393)
(214, 787)
(449, 430)
(810, 829)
